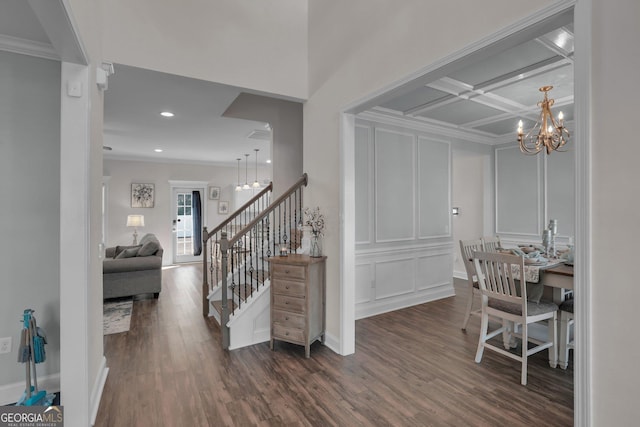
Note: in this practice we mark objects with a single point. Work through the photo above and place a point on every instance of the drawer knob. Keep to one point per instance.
(286, 318)
(286, 333)
(286, 303)
(286, 271)
(286, 287)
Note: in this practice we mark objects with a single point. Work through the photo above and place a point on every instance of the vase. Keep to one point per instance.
(316, 249)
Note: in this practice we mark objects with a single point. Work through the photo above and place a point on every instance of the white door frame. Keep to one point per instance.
(582, 101)
(195, 185)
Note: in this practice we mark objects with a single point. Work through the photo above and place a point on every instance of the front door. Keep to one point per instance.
(184, 236)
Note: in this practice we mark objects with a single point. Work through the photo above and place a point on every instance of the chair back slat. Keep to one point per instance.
(496, 279)
(491, 243)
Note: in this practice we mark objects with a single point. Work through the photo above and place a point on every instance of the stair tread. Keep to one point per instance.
(217, 305)
(240, 290)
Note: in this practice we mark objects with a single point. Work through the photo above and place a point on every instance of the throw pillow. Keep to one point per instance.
(119, 249)
(149, 248)
(128, 253)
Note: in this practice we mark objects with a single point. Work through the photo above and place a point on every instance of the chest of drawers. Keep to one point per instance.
(297, 299)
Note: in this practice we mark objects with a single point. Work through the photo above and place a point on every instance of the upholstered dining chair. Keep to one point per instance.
(506, 298)
(491, 243)
(467, 248)
(566, 343)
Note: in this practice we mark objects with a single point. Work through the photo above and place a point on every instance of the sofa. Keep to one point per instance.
(133, 270)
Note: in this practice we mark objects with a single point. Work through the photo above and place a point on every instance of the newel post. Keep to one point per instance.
(205, 271)
(224, 316)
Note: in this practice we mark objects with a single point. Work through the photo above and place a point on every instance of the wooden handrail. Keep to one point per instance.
(299, 183)
(238, 212)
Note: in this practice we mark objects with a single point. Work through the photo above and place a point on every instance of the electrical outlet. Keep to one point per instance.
(5, 345)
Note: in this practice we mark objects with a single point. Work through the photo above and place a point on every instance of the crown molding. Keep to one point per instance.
(393, 118)
(28, 47)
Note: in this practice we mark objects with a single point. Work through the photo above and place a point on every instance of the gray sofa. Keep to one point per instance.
(133, 270)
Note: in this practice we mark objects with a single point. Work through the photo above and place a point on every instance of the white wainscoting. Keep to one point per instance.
(394, 278)
(530, 190)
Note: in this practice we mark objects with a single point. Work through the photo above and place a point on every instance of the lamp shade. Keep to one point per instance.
(135, 220)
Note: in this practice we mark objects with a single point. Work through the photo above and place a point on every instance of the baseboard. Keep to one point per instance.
(397, 303)
(333, 343)
(98, 387)
(10, 393)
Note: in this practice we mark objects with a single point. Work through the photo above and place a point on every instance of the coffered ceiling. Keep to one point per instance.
(486, 99)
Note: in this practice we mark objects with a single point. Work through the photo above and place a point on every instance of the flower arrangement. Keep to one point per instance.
(314, 219)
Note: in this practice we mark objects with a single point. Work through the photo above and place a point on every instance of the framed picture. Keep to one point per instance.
(223, 208)
(142, 195)
(214, 193)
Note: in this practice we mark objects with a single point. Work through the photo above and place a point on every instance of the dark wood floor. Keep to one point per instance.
(413, 367)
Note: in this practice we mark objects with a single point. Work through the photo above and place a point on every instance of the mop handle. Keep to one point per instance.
(28, 364)
(33, 333)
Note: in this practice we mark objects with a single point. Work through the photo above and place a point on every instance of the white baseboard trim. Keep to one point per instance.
(332, 342)
(392, 304)
(10, 393)
(98, 387)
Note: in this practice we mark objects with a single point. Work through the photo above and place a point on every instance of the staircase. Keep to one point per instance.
(235, 285)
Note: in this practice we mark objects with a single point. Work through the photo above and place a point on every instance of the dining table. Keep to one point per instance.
(560, 278)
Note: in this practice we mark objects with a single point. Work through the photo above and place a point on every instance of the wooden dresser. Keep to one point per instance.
(297, 299)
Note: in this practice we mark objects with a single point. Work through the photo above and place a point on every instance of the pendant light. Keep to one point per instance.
(256, 184)
(246, 168)
(238, 186)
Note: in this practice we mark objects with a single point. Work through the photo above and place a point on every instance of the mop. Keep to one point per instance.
(31, 351)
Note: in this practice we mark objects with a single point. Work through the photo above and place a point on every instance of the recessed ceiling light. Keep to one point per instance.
(167, 114)
(268, 160)
(158, 150)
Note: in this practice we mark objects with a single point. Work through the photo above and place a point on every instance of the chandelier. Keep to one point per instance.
(547, 133)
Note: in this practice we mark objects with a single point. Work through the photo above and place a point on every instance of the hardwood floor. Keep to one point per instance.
(413, 367)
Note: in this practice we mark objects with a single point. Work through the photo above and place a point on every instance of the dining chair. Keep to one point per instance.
(505, 298)
(566, 343)
(467, 248)
(491, 243)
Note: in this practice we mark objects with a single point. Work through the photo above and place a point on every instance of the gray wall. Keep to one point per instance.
(122, 173)
(285, 118)
(30, 214)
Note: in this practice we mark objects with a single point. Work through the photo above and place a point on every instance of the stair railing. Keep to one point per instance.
(211, 253)
(274, 230)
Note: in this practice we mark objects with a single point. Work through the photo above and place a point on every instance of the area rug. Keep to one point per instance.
(117, 316)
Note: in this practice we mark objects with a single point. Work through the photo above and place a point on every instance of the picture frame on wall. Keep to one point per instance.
(214, 193)
(223, 208)
(142, 195)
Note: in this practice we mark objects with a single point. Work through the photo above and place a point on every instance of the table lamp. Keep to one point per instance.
(135, 221)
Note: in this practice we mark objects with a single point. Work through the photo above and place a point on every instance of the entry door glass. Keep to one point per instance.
(183, 225)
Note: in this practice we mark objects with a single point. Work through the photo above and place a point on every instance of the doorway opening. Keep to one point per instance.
(382, 101)
(188, 216)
